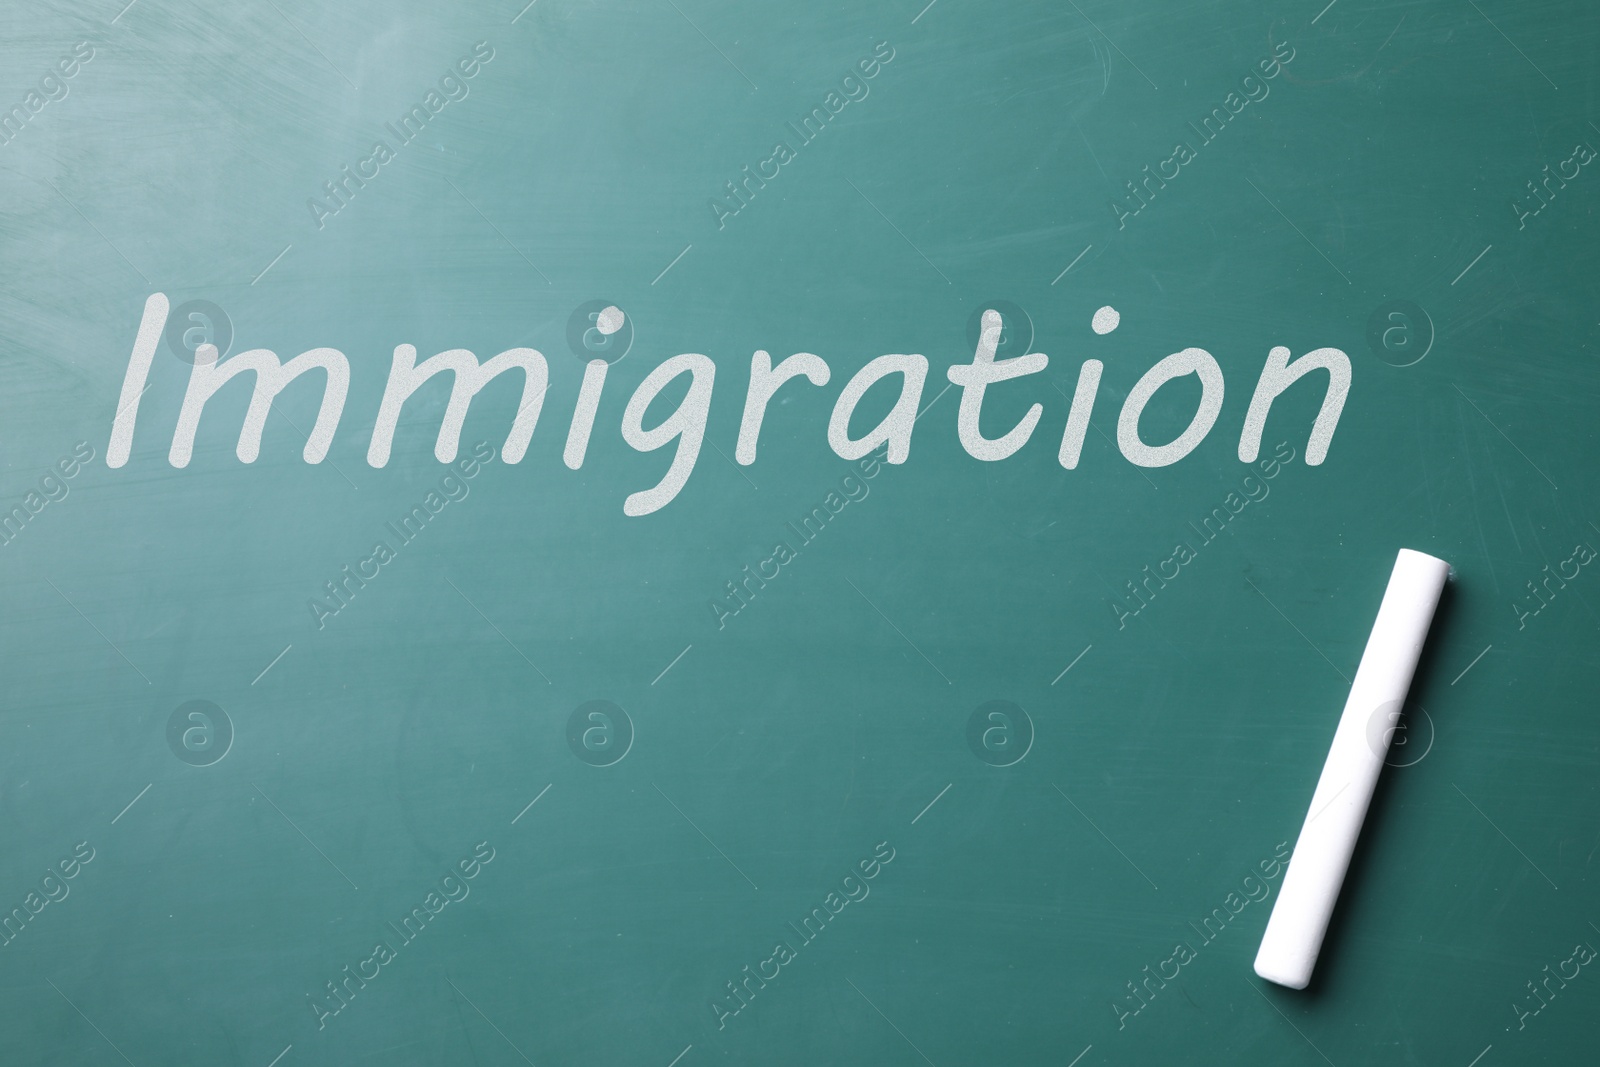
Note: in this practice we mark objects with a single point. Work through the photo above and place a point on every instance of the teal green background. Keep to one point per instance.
(780, 749)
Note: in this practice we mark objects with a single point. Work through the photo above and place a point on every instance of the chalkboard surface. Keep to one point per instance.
(544, 711)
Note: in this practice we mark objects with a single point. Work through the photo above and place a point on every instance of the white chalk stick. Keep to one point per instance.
(1299, 919)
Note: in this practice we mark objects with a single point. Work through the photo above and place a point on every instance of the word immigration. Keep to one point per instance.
(686, 425)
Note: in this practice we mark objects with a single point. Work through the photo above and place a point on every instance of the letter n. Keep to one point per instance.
(1276, 376)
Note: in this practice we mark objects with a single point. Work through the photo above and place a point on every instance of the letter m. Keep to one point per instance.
(406, 377)
(17, 115)
(272, 376)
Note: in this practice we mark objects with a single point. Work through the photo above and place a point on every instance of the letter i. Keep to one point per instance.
(594, 380)
(1078, 417)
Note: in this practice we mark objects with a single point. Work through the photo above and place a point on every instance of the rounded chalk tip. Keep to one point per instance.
(1282, 976)
(1422, 557)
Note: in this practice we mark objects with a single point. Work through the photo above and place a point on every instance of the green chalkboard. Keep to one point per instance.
(542, 710)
